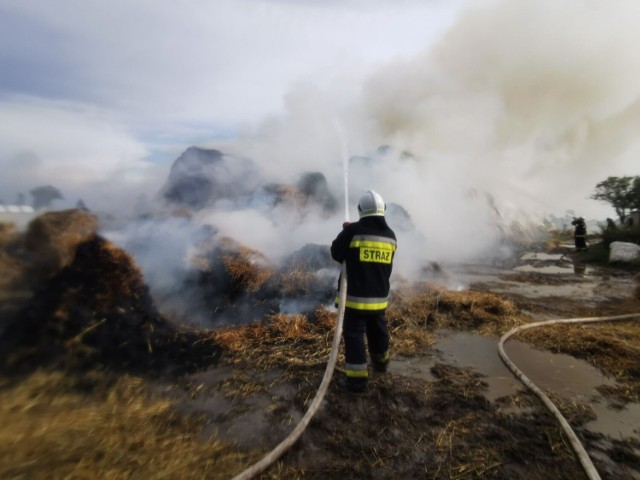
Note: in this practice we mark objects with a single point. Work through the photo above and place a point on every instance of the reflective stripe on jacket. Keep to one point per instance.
(368, 248)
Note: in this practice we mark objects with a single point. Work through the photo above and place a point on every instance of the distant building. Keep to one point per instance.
(19, 215)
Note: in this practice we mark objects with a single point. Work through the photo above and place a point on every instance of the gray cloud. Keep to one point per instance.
(223, 61)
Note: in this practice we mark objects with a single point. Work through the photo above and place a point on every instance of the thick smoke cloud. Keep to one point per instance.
(516, 113)
(543, 95)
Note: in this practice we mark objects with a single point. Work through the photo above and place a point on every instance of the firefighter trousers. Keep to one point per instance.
(356, 326)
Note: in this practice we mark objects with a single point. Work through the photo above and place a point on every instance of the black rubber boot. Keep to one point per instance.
(380, 366)
(380, 363)
(354, 385)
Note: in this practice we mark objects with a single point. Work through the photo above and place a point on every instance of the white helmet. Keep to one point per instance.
(370, 204)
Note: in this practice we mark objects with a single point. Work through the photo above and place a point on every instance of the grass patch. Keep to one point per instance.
(597, 253)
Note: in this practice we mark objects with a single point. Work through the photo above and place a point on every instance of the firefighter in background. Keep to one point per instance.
(368, 247)
(580, 233)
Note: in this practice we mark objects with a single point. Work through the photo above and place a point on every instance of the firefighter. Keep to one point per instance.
(580, 234)
(368, 247)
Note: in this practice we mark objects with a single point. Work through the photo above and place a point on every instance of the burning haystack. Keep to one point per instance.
(91, 308)
(201, 177)
(237, 285)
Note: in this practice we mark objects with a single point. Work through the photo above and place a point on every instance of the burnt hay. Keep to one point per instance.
(97, 311)
(51, 241)
(238, 285)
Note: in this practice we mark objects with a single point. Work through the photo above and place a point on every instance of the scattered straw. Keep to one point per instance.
(475, 461)
(427, 305)
(281, 341)
(53, 429)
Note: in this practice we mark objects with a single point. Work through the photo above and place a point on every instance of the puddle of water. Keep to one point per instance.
(576, 379)
(465, 349)
(419, 368)
(589, 291)
(563, 269)
(548, 269)
(542, 256)
(616, 423)
(587, 287)
(561, 374)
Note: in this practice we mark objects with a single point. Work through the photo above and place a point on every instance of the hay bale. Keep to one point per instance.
(98, 311)
(10, 265)
(233, 282)
(311, 256)
(238, 284)
(7, 231)
(52, 239)
(297, 281)
(277, 194)
(233, 268)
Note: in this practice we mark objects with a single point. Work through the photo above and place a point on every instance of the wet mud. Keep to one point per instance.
(453, 409)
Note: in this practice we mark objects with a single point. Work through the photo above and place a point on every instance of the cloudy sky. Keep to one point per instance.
(91, 89)
(531, 102)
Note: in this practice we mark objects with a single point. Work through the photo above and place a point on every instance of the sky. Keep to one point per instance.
(530, 103)
(92, 89)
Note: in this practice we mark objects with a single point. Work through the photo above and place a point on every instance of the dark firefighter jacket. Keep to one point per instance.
(368, 246)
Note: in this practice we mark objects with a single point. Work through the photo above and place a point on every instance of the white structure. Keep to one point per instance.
(19, 215)
(623, 252)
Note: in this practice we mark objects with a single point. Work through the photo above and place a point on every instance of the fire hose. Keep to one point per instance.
(295, 434)
(577, 446)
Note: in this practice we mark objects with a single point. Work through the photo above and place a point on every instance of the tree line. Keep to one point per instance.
(622, 193)
(43, 197)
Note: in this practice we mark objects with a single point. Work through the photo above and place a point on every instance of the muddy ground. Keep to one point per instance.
(159, 400)
(438, 412)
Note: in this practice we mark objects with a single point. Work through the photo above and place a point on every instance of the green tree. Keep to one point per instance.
(635, 194)
(44, 196)
(620, 193)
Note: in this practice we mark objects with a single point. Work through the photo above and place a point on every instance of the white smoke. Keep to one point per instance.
(516, 113)
(528, 103)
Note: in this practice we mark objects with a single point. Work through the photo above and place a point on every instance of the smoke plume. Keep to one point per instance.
(518, 111)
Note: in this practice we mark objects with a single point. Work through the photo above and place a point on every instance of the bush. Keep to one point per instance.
(597, 253)
(610, 235)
